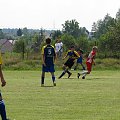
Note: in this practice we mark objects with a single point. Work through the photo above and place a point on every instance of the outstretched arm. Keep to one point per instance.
(65, 56)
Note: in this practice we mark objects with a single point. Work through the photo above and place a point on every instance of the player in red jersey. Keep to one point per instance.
(89, 62)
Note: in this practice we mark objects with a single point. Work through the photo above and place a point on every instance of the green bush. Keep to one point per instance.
(15, 63)
(107, 63)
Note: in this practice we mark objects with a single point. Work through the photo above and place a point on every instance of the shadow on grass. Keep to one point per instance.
(47, 86)
(80, 78)
(75, 78)
(92, 79)
(66, 78)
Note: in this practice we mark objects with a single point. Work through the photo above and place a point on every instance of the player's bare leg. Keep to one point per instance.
(84, 73)
(83, 66)
(76, 66)
(66, 70)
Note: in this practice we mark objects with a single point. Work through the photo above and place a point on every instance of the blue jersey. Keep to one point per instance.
(79, 60)
(49, 54)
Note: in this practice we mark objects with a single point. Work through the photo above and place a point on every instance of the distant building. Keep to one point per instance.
(91, 35)
(6, 46)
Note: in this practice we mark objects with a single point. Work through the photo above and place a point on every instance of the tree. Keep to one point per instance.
(37, 39)
(41, 36)
(110, 42)
(56, 34)
(94, 29)
(25, 31)
(19, 32)
(68, 40)
(19, 47)
(82, 42)
(103, 26)
(1, 34)
(118, 15)
(71, 28)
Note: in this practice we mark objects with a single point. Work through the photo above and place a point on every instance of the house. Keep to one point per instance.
(6, 46)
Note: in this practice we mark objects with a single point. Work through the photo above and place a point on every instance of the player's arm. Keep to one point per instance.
(82, 56)
(2, 78)
(65, 55)
(43, 57)
(94, 60)
(76, 55)
(1, 74)
(43, 60)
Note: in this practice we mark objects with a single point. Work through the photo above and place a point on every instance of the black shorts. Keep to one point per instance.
(69, 63)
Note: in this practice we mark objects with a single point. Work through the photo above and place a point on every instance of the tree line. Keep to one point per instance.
(105, 34)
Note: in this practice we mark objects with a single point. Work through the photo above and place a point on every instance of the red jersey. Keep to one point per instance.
(91, 57)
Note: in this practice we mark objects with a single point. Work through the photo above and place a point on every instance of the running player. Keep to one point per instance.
(89, 62)
(72, 55)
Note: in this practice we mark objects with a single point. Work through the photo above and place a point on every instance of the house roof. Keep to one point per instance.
(4, 41)
(6, 45)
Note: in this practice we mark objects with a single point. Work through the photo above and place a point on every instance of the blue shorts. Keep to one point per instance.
(48, 68)
(79, 60)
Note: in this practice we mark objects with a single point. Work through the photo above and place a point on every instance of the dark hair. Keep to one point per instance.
(81, 51)
(72, 46)
(48, 41)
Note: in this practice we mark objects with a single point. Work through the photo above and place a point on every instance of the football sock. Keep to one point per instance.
(63, 73)
(2, 110)
(83, 68)
(84, 72)
(42, 80)
(75, 68)
(68, 72)
(53, 78)
(84, 75)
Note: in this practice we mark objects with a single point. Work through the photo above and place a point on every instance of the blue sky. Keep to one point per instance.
(51, 14)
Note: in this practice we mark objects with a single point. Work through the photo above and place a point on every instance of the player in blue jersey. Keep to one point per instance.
(48, 59)
(72, 56)
(80, 59)
(2, 105)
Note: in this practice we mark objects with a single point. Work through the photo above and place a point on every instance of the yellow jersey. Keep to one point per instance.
(0, 59)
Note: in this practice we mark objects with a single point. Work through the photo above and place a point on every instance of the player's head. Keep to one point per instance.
(81, 51)
(48, 41)
(72, 48)
(95, 48)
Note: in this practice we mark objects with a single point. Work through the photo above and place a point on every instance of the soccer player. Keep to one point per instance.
(72, 55)
(89, 62)
(48, 59)
(79, 60)
(2, 105)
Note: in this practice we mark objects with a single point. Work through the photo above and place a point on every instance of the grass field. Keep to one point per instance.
(95, 98)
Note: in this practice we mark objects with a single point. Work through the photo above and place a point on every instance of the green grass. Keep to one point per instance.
(95, 98)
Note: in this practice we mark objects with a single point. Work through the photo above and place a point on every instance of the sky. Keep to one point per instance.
(51, 14)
